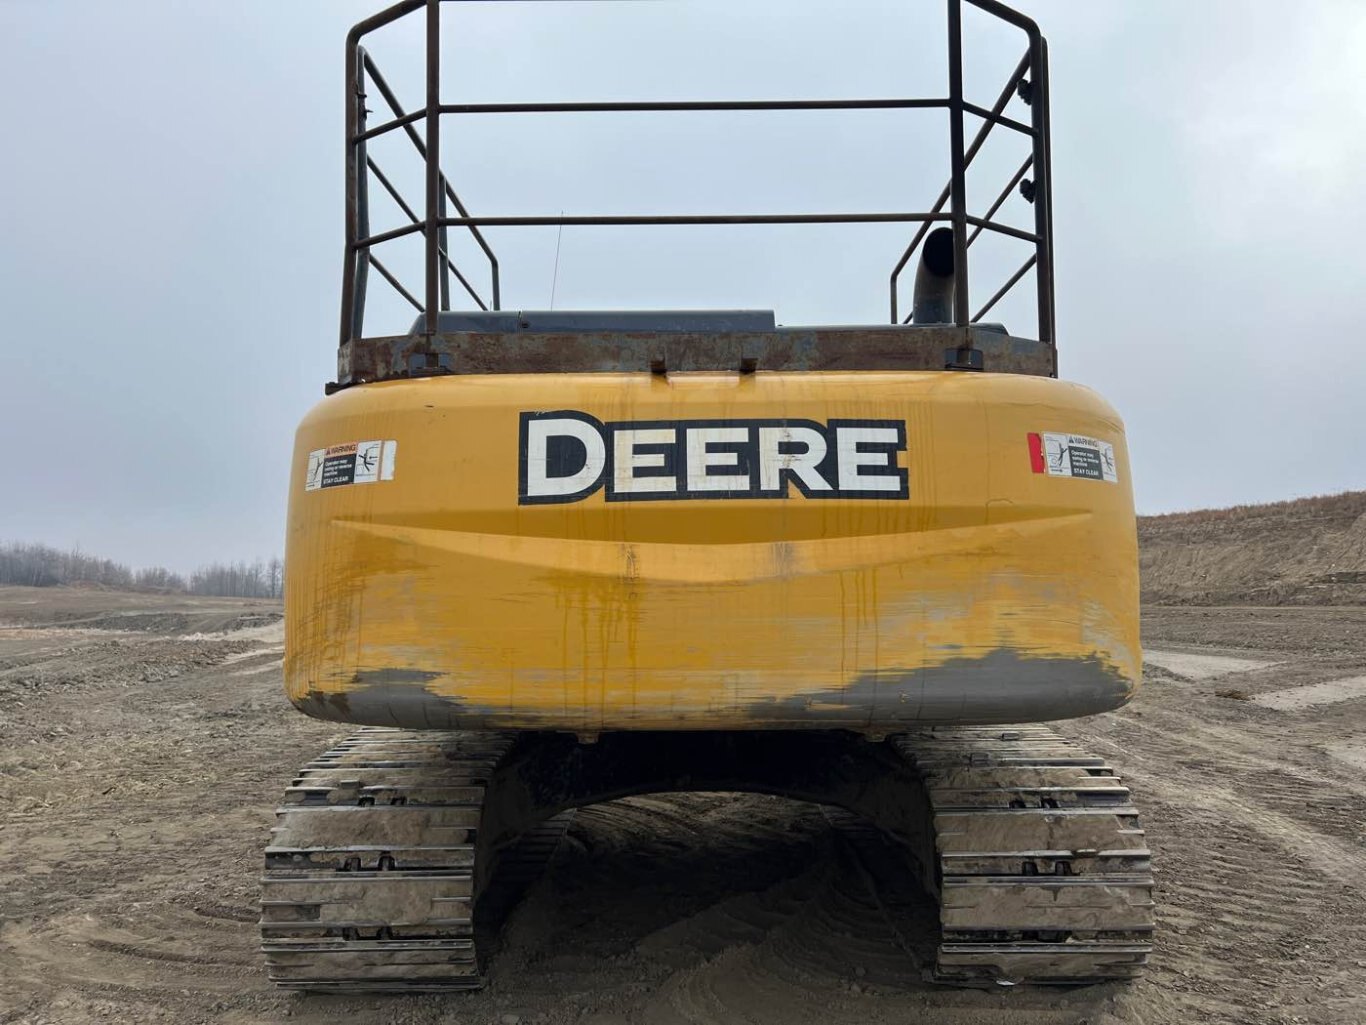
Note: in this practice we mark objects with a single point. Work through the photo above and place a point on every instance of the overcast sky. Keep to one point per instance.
(171, 192)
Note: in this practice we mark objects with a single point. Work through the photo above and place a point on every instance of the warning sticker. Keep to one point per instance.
(358, 462)
(1072, 455)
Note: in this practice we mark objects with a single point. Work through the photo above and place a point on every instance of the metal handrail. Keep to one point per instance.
(1015, 180)
(432, 220)
(969, 155)
(639, 106)
(405, 121)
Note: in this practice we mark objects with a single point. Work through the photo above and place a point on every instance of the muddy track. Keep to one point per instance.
(134, 805)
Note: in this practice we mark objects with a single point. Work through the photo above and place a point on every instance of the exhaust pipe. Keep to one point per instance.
(932, 301)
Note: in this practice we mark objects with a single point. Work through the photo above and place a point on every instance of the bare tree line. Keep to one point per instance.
(37, 565)
(240, 579)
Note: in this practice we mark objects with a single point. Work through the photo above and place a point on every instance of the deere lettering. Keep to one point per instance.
(568, 455)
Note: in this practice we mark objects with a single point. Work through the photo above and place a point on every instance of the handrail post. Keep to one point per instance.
(1043, 187)
(355, 265)
(432, 298)
(444, 248)
(363, 259)
(958, 183)
(1048, 198)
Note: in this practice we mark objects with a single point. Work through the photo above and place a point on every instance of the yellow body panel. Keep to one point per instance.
(992, 592)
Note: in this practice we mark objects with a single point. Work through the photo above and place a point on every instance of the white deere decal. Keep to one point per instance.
(357, 462)
(1073, 455)
(568, 455)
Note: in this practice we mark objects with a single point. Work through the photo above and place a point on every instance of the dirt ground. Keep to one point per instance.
(145, 741)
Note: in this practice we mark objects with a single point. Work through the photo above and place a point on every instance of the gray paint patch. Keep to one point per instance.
(1002, 687)
(391, 697)
(385, 677)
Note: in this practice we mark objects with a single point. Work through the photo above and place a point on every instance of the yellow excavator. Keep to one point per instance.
(543, 559)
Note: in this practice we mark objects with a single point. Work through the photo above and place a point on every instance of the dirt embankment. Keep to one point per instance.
(1309, 551)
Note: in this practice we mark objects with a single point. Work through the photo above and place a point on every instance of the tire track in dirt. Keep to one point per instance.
(1258, 854)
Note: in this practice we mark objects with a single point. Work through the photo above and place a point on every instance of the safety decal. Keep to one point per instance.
(358, 462)
(1072, 455)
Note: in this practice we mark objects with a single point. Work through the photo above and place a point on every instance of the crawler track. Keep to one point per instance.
(1043, 874)
(369, 882)
(1038, 861)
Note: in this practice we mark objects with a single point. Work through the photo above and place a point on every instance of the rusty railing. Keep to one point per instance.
(1028, 81)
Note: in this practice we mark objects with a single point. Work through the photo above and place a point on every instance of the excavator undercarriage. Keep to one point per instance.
(396, 851)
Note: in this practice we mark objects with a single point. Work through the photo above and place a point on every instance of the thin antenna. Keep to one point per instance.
(555, 277)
